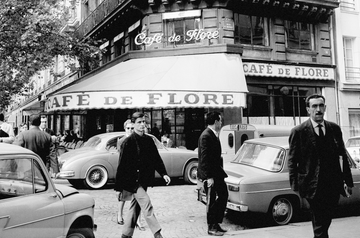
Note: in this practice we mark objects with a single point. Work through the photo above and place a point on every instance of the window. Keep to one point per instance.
(251, 30)
(351, 72)
(176, 30)
(347, 5)
(354, 122)
(300, 36)
(119, 47)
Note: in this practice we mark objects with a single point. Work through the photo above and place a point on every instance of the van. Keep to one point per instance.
(233, 136)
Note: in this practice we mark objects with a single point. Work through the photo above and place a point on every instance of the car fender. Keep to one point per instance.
(187, 162)
(85, 168)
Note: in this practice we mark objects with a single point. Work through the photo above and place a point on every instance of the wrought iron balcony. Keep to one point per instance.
(99, 15)
(352, 74)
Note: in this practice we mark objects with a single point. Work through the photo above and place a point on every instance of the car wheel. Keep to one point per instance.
(281, 211)
(190, 175)
(80, 233)
(96, 177)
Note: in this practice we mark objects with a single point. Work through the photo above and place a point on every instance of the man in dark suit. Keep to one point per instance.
(53, 164)
(211, 173)
(316, 147)
(35, 139)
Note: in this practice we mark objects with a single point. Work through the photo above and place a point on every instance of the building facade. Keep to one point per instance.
(347, 25)
(253, 60)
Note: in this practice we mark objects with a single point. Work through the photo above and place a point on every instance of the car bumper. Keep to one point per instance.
(66, 174)
(237, 207)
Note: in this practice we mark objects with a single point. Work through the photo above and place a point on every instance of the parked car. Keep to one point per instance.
(353, 147)
(32, 207)
(95, 163)
(258, 181)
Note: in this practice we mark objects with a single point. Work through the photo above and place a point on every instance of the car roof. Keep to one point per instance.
(281, 141)
(354, 137)
(14, 149)
(110, 134)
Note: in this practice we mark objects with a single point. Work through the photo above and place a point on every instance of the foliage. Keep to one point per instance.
(30, 38)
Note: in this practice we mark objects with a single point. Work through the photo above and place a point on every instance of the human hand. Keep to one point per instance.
(210, 182)
(167, 179)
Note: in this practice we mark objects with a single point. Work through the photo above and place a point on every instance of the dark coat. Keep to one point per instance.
(139, 159)
(37, 141)
(210, 160)
(304, 159)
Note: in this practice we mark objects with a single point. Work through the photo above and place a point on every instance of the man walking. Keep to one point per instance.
(316, 147)
(211, 173)
(138, 161)
(53, 164)
(36, 140)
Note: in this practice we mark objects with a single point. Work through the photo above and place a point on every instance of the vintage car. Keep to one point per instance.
(353, 147)
(32, 206)
(95, 163)
(258, 181)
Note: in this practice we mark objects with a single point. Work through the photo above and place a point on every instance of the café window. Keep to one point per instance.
(178, 25)
(119, 44)
(251, 30)
(133, 31)
(299, 35)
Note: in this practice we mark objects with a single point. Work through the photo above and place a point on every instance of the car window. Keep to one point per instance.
(20, 176)
(92, 142)
(261, 156)
(353, 142)
(111, 144)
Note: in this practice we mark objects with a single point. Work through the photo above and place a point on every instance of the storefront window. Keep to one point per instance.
(78, 126)
(176, 30)
(251, 30)
(354, 122)
(300, 36)
(279, 105)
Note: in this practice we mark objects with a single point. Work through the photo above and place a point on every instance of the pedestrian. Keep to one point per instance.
(316, 147)
(129, 128)
(36, 140)
(156, 132)
(23, 127)
(211, 173)
(53, 163)
(6, 131)
(138, 161)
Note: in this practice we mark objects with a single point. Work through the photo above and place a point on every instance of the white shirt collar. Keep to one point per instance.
(217, 134)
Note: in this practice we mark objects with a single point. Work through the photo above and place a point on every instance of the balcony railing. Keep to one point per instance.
(352, 74)
(348, 5)
(98, 15)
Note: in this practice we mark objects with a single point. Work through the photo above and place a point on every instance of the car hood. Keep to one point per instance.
(66, 190)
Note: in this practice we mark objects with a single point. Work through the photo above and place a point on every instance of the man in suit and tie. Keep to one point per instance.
(316, 147)
(53, 164)
(36, 140)
(211, 173)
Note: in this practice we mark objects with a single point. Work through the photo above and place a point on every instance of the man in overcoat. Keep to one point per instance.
(138, 161)
(316, 151)
(211, 173)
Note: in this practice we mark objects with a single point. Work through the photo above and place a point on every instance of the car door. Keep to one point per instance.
(166, 156)
(29, 205)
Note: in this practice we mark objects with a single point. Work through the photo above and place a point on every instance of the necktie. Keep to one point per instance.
(321, 133)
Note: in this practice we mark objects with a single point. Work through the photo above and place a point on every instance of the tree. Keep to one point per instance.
(30, 38)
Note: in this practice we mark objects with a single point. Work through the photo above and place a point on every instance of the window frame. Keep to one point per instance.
(299, 25)
(266, 30)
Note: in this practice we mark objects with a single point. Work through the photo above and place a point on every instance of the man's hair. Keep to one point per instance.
(128, 121)
(313, 96)
(2, 118)
(211, 117)
(35, 120)
(136, 115)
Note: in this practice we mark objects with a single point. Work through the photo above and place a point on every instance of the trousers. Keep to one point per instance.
(140, 203)
(217, 202)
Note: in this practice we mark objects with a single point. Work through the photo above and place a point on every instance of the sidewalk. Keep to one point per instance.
(340, 228)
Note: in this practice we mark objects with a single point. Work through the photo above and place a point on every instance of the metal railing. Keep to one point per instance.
(98, 15)
(352, 73)
(348, 5)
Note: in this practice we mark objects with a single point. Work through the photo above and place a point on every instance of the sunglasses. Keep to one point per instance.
(130, 128)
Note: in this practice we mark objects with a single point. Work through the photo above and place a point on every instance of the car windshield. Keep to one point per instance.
(261, 156)
(353, 142)
(92, 142)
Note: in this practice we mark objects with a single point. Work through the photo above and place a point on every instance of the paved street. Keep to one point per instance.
(176, 207)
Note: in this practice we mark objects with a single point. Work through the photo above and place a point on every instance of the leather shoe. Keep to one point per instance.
(213, 231)
(125, 236)
(218, 227)
(158, 234)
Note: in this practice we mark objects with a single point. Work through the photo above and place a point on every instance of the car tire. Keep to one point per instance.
(96, 177)
(191, 172)
(281, 211)
(80, 233)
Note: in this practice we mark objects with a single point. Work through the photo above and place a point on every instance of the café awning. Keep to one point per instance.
(207, 80)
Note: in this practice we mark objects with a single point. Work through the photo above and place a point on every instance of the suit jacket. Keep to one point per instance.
(138, 160)
(37, 141)
(210, 160)
(304, 159)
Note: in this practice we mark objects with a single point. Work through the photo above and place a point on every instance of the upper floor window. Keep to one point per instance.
(348, 5)
(300, 36)
(351, 71)
(179, 27)
(251, 30)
